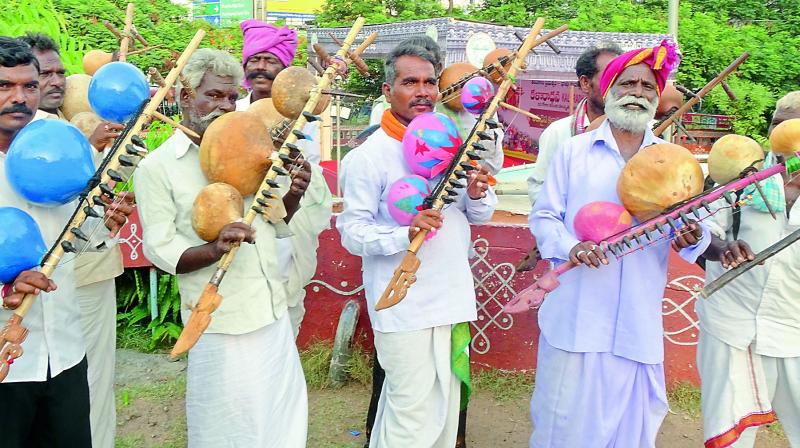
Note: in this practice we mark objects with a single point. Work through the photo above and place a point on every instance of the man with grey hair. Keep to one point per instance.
(748, 354)
(600, 370)
(416, 339)
(493, 156)
(245, 386)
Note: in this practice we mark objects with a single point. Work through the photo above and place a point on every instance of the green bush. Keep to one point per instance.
(41, 16)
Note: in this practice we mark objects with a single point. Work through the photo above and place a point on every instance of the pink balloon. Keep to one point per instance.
(476, 95)
(597, 221)
(405, 197)
(430, 143)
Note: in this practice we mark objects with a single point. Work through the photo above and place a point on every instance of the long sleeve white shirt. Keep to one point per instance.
(551, 139)
(443, 293)
(761, 306)
(166, 185)
(55, 334)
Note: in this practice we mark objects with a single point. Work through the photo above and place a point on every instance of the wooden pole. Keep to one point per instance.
(126, 33)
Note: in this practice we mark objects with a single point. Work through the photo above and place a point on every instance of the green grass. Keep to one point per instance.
(160, 391)
(684, 397)
(360, 366)
(316, 361)
(503, 386)
(129, 442)
(133, 337)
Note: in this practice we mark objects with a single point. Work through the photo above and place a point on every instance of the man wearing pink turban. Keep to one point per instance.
(600, 371)
(266, 52)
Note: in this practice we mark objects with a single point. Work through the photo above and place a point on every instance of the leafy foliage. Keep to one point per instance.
(711, 33)
(345, 12)
(41, 16)
(133, 293)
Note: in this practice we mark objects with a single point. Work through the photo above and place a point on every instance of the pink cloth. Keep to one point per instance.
(259, 36)
(662, 59)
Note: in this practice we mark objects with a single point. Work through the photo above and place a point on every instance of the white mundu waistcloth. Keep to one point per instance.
(98, 302)
(247, 391)
(421, 394)
(742, 390)
(595, 400)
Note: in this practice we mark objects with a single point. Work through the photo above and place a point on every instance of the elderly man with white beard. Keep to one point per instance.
(600, 375)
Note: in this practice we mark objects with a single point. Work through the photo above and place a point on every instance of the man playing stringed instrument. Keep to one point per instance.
(245, 386)
(748, 354)
(267, 51)
(421, 393)
(45, 398)
(493, 156)
(94, 271)
(600, 374)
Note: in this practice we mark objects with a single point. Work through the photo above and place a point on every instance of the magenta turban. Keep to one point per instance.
(662, 59)
(259, 36)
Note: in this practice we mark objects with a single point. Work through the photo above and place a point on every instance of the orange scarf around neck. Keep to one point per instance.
(392, 126)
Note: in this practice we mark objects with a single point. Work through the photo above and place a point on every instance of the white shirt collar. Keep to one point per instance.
(182, 144)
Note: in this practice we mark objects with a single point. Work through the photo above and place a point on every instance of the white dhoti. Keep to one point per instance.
(742, 390)
(595, 400)
(246, 391)
(98, 303)
(421, 395)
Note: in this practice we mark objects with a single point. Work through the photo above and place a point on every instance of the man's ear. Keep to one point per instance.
(186, 98)
(585, 83)
(387, 91)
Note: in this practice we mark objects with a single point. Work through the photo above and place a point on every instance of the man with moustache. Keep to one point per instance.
(420, 399)
(588, 68)
(53, 81)
(45, 398)
(245, 386)
(266, 52)
(94, 272)
(600, 373)
(493, 156)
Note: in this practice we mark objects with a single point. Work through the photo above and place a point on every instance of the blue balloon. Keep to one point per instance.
(49, 162)
(117, 90)
(21, 243)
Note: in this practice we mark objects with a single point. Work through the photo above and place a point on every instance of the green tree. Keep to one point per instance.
(21, 16)
(711, 34)
(345, 12)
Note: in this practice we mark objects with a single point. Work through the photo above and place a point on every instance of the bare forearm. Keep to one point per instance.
(198, 258)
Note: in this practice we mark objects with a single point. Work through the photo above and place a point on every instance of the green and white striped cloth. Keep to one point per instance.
(772, 188)
(459, 359)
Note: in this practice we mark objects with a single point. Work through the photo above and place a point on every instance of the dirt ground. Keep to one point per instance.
(150, 413)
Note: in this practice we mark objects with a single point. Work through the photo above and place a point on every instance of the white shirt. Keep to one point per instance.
(55, 332)
(551, 139)
(166, 185)
(761, 306)
(493, 156)
(297, 255)
(443, 293)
